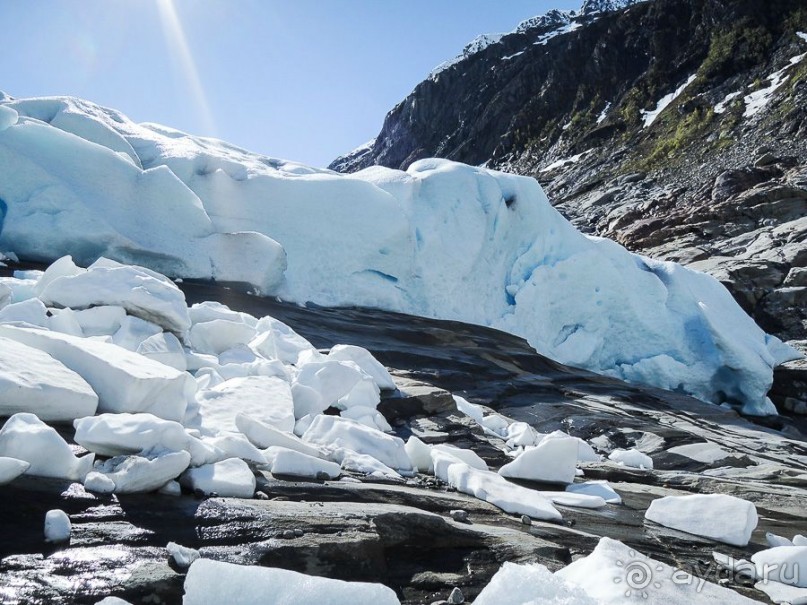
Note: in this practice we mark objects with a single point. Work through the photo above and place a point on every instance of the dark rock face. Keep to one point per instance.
(409, 535)
(717, 181)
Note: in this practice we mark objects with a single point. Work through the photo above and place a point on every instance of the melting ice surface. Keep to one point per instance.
(442, 240)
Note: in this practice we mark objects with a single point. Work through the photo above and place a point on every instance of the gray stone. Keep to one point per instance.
(766, 159)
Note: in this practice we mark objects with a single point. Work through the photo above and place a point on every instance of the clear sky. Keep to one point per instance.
(304, 80)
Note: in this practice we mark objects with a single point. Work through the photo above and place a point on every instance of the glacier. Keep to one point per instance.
(441, 240)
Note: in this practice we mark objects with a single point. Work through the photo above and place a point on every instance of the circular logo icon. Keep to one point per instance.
(638, 575)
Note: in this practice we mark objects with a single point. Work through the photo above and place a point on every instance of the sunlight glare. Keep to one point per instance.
(175, 37)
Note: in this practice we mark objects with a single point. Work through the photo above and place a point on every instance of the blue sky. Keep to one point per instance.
(303, 80)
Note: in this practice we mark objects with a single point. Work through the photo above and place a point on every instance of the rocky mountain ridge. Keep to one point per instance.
(676, 127)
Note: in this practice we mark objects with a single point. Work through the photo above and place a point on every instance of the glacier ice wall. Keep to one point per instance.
(442, 239)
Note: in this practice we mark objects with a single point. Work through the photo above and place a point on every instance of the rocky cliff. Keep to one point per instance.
(676, 127)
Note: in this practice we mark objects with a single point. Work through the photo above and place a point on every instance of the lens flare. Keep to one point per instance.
(178, 44)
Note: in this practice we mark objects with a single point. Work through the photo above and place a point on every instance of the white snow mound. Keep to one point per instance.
(715, 516)
(334, 432)
(229, 478)
(124, 381)
(135, 474)
(11, 468)
(784, 564)
(33, 381)
(214, 582)
(143, 293)
(553, 460)
(492, 487)
(118, 434)
(265, 398)
(615, 574)
(285, 461)
(25, 437)
(530, 585)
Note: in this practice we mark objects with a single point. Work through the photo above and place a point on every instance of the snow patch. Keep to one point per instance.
(553, 460)
(11, 468)
(475, 46)
(715, 516)
(757, 100)
(284, 461)
(118, 434)
(25, 437)
(214, 582)
(649, 116)
(530, 584)
(229, 478)
(564, 161)
(141, 292)
(513, 56)
(334, 432)
(723, 105)
(633, 458)
(604, 113)
(268, 399)
(33, 381)
(124, 381)
(136, 474)
(605, 576)
(492, 487)
(783, 564)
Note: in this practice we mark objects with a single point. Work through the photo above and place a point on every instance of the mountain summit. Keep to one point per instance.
(594, 7)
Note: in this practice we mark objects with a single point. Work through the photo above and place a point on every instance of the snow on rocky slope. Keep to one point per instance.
(442, 240)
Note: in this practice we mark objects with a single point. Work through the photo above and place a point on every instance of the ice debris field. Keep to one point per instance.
(171, 399)
(441, 240)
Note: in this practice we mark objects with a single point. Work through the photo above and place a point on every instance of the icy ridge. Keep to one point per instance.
(476, 45)
(442, 240)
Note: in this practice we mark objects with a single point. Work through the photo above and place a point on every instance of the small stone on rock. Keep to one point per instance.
(288, 534)
(298, 533)
(459, 515)
(526, 520)
(456, 597)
